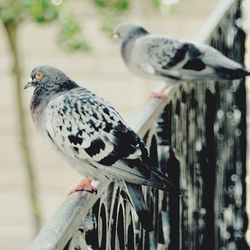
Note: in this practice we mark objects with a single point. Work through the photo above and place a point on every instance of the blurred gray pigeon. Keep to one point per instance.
(93, 137)
(164, 58)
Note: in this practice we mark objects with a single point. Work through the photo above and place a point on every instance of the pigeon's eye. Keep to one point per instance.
(122, 31)
(39, 74)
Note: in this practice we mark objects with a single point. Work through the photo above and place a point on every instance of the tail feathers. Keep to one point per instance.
(231, 74)
(246, 72)
(161, 181)
(156, 178)
(153, 177)
(136, 198)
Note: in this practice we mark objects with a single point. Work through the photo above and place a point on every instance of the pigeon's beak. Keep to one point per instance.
(29, 84)
(115, 36)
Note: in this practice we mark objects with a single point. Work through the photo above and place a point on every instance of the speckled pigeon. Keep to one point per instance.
(93, 137)
(164, 58)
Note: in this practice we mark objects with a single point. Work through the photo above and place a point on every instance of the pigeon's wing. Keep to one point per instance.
(179, 59)
(88, 128)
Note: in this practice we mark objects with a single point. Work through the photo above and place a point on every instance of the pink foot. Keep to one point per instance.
(159, 94)
(83, 185)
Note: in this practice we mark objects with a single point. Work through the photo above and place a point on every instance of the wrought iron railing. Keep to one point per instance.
(198, 137)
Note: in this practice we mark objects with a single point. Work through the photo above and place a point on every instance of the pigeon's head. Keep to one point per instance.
(49, 78)
(125, 31)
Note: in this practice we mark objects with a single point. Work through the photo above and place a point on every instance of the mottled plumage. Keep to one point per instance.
(164, 58)
(86, 129)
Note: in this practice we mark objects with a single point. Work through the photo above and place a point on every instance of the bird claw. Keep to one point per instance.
(159, 95)
(83, 185)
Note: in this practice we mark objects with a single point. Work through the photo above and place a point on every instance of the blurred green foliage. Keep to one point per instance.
(71, 34)
(14, 12)
(116, 5)
(41, 11)
(166, 6)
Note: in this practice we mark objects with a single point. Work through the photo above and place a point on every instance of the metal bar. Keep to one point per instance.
(214, 20)
(57, 232)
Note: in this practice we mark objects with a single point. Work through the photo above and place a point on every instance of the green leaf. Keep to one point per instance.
(71, 34)
(42, 10)
(101, 3)
(113, 5)
(121, 5)
(10, 11)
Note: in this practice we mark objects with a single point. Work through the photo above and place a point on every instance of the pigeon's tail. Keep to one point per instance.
(156, 178)
(136, 198)
(231, 74)
(161, 181)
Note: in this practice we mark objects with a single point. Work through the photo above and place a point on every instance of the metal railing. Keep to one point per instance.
(198, 137)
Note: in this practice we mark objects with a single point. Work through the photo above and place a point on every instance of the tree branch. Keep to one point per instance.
(11, 30)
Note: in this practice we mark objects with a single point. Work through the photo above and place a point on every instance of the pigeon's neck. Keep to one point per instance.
(128, 44)
(42, 95)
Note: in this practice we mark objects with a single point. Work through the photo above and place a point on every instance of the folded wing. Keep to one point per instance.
(181, 60)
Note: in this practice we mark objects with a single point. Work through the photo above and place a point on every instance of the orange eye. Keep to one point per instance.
(39, 74)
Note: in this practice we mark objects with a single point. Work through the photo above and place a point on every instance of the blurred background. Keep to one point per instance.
(74, 36)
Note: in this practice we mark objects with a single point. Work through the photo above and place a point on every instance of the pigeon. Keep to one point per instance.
(170, 60)
(92, 136)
